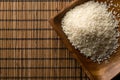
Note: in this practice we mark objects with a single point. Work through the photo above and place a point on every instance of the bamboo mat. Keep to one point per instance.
(29, 47)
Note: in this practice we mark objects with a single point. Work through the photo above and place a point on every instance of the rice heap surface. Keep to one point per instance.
(92, 30)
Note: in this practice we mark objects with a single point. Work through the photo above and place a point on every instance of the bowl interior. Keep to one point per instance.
(94, 70)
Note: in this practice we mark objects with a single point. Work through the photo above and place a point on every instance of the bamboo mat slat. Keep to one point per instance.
(29, 48)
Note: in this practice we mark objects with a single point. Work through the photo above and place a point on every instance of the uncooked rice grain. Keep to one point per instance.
(92, 30)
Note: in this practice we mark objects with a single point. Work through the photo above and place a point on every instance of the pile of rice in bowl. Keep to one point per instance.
(92, 29)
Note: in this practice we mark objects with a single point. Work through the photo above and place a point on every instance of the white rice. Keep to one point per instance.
(92, 30)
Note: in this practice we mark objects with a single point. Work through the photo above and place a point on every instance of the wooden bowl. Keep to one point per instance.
(94, 71)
